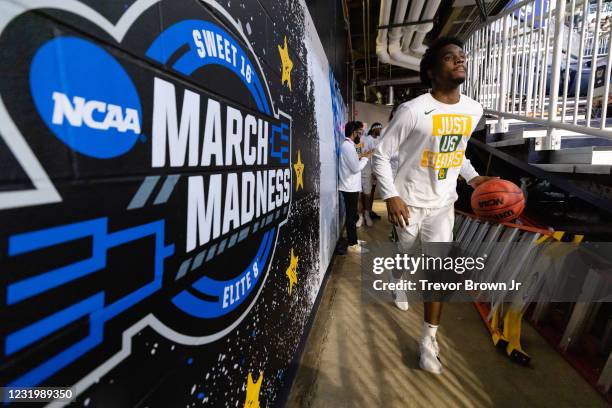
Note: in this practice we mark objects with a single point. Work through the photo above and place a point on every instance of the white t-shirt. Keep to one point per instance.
(369, 144)
(350, 167)
(428, 140)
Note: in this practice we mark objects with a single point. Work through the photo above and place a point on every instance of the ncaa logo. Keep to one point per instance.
(75, 84)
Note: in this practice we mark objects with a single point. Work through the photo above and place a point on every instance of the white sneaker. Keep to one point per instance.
(428, 352)
(359, 221)
(368, 220)
(399, 296)
(357, 249)
(436, 347)
(400, 299)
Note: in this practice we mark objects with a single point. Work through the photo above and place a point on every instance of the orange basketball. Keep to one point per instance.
(498, 200)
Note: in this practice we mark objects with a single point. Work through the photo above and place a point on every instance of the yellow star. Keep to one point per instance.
(252, 391)
(299, 172)
(287, 64)
(292, 271)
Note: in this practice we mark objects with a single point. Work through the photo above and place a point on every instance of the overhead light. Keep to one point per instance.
(390, 97)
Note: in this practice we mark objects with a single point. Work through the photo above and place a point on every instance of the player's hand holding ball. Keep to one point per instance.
(478, 180)
(397, 211)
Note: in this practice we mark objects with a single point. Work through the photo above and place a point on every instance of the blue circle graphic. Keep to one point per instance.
(85, 97)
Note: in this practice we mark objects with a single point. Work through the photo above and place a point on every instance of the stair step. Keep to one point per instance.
(515, 141)
(576, 168)
(595, 155)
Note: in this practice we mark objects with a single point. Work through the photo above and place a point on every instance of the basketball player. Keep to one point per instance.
(428, 137)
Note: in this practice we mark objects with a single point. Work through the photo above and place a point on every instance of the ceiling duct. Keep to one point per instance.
(390, 97)
(396, 81)
(397, 46)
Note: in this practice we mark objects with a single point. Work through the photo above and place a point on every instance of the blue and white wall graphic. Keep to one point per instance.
(159, 198)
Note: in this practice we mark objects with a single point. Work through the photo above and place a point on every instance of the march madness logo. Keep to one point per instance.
(169, 182)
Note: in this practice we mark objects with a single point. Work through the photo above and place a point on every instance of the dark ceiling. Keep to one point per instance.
(454, 17)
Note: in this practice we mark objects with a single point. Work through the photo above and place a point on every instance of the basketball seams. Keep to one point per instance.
(496, 192)
(512, 197)
(499, 209)
(508, 186)
(508, 201)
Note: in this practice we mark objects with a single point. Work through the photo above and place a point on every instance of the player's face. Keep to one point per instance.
(376, 132)
(451, 65)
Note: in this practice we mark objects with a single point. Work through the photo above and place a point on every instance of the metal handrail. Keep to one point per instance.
(534, 61)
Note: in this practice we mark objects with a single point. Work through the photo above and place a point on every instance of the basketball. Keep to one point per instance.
(498, 200)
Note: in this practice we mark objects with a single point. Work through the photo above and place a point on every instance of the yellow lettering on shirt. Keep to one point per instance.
(437, 160)
(451, 124)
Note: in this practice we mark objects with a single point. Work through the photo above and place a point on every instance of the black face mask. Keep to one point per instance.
(357, 140)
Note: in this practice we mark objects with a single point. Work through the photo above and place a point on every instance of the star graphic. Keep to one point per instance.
(292, 271)
(287, 64)
(252, 391)
(299, 172)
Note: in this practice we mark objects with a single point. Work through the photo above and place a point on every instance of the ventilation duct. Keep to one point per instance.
(400, 46)
(390, 97)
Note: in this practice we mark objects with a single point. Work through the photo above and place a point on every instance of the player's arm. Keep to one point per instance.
(391, 138)
(468, 172)
(354, 163)
(471, 176)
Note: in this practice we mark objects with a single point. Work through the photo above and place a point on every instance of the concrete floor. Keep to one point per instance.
(364, 355)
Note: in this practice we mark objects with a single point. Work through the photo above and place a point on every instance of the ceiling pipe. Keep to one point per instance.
(417, 46)
(403, 46)
(396, 81)
(365, 37)
(390, 97)
(368, 52)
(350, 93)
(395, 35)
(381, 38)
(416, 6)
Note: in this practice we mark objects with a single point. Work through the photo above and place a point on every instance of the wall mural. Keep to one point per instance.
(159, 197)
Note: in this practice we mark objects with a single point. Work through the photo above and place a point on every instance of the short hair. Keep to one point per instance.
(431, 56)
(359, 124)
(349, 128)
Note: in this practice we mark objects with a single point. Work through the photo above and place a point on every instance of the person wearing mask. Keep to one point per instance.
(350, 167)
(429, 136)
(361, 151)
